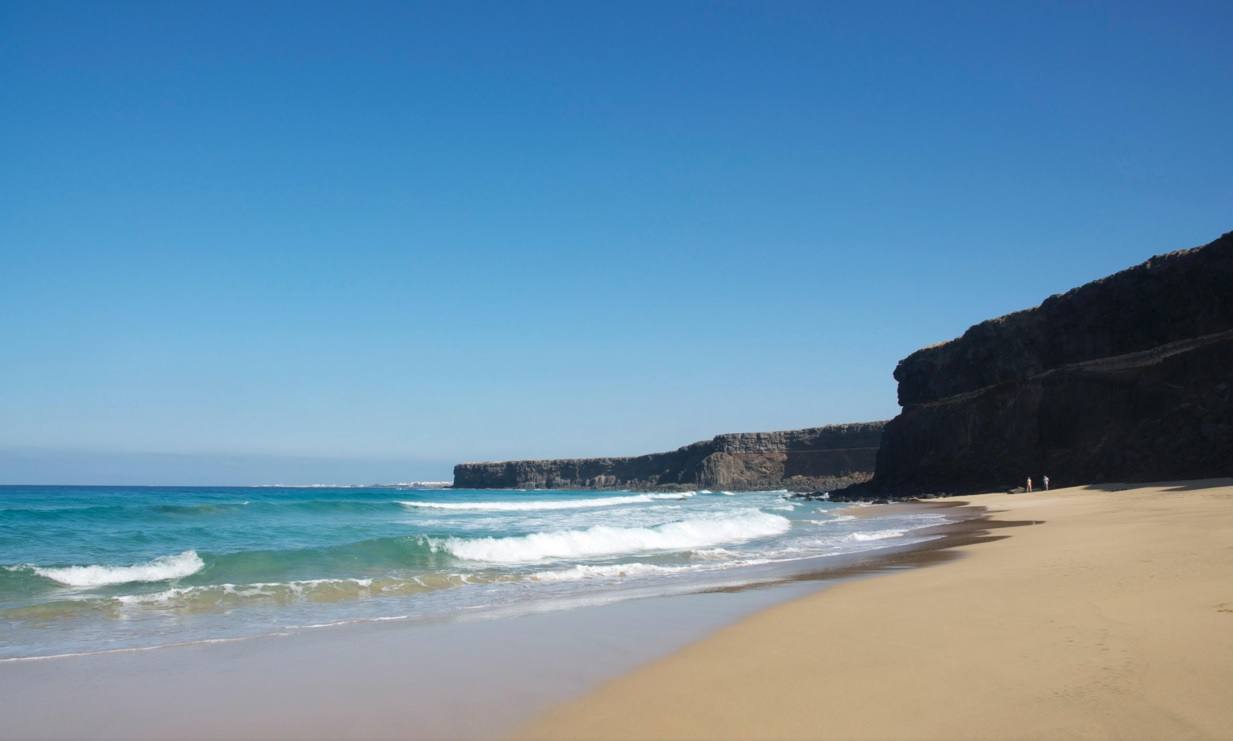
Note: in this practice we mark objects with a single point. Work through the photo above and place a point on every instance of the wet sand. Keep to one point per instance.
(468, 679)
(1107, 614)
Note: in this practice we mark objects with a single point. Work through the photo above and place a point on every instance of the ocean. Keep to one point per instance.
(101, 569)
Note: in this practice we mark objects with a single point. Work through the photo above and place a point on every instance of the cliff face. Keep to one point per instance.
(1127, 378)
(816, 458)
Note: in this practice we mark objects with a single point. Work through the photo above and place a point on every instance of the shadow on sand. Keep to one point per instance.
(1194, 485)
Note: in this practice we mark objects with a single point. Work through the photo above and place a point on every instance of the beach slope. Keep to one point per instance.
(1109, 614)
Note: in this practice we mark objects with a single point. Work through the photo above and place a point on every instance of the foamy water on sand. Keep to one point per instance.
(89, 569)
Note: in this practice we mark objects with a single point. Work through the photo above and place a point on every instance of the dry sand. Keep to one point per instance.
(1110, 617)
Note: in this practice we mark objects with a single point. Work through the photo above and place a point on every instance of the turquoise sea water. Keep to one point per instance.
(87, 569)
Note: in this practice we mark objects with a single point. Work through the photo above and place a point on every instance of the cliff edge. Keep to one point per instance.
(1127, 378)
(816, 458)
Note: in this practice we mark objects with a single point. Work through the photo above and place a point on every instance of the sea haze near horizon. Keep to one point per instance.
(99, 569)
(28, 466)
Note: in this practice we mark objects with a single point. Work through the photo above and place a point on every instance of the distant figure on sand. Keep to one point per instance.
(1045, 479)
(1029, 485)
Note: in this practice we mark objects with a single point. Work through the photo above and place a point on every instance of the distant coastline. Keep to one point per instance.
(815, 458)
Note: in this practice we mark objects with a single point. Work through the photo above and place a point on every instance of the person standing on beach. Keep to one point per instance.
(1029, 485)
(1045, 479)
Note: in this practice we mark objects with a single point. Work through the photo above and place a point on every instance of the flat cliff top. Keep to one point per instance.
(1174, 296)
(838, 430)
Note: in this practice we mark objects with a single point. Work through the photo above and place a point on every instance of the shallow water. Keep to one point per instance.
(90, 569)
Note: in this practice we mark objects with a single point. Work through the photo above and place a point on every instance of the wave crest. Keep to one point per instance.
(160, 569)
(605, 540)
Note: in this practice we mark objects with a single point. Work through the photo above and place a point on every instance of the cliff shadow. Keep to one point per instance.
(1193, 485)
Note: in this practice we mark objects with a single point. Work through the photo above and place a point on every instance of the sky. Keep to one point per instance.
(352, 242)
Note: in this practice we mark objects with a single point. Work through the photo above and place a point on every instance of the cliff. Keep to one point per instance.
(1127, 378)
(815, 458)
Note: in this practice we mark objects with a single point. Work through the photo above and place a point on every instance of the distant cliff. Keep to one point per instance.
(815, 458)
(1127, 378)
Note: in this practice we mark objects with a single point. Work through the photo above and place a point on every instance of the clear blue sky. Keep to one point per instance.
(259, 242)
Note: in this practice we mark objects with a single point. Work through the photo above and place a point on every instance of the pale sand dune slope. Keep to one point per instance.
(1111, 618)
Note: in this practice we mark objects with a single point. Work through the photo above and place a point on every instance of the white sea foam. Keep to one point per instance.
(160, 569)
(831, 521)
(206, 595)
(877, 535)
(256, 589)
(604, 540)
(713, 554)
(165, 596)
(544, 505)
(609, 571)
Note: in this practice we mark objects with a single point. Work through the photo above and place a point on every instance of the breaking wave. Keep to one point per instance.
(605, 540)
(160, 569)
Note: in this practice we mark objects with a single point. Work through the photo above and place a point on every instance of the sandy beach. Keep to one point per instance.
(1107, 614)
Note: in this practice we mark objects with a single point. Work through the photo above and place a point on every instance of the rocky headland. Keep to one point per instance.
(1128, 378)
(822, 458)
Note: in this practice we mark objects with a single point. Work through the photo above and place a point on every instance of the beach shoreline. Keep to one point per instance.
(1109, 616)
(413, 679)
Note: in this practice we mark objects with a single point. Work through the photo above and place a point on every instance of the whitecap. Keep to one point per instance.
(605, 540)
(160, 569)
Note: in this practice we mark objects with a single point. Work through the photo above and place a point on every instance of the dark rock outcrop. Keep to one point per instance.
(814, 458)
(1127, 378)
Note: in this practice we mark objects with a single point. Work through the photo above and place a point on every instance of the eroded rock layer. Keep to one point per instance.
(815, 458)
(1127, 378)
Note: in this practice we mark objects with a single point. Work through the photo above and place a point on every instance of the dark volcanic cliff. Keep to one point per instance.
(816, 458)
(1127, 378)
